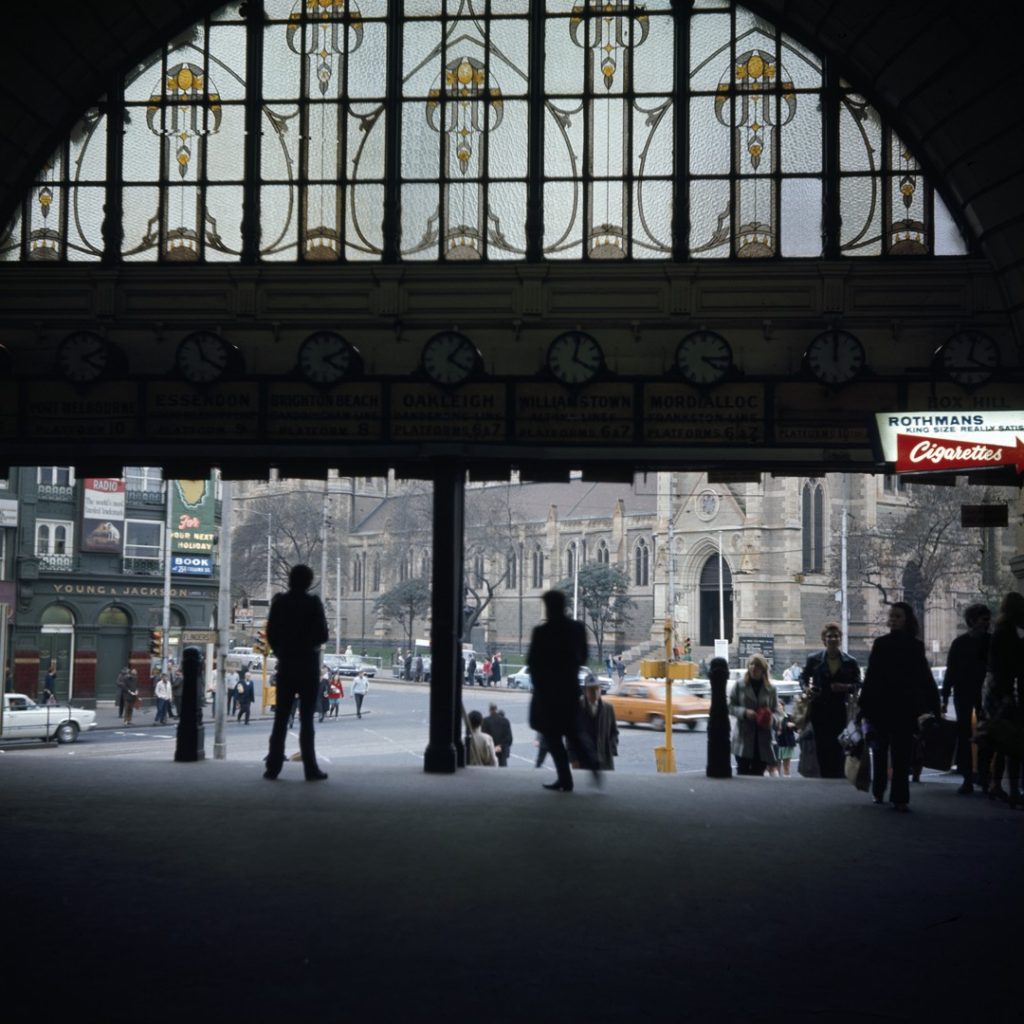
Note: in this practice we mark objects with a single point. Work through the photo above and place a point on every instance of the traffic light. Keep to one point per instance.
(260, 645)
(687, 648)
(156, 642)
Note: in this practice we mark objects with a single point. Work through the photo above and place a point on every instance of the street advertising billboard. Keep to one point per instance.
(960, 442)
(191, 565)
(103, 504)
(192, 516)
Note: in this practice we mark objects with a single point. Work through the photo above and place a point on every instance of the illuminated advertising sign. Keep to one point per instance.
(939, 442)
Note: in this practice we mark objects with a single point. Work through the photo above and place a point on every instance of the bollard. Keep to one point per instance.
(719, 754)
(190, 744)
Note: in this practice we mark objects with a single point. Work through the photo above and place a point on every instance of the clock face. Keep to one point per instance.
(203, 358)
(326, 358)
(703, 357)
(450, 358)
(83, 357)
(969, 357)
(575, 358)
(835, 357)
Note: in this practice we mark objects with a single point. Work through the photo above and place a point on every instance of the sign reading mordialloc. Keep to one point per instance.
(940, 442)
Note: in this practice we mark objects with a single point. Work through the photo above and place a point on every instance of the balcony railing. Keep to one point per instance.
(134, 566)
(58, 563)
(56, 492)
(148, 498)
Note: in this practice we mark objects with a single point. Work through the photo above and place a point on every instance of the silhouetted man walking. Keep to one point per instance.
(296, 629)
(557, 649)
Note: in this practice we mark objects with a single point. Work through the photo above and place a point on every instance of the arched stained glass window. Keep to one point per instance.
(813, 526)
(467, 130)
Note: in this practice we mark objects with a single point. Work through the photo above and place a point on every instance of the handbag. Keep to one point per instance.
(851, 737)
(801, 709)
(808, 765)
(857, 768)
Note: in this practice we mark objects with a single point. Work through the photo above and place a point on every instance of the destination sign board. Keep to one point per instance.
(176, 410)
(680, 414)
(348, 412)
(551, 414)
(807, 413)
(55, 409)
(425, 412)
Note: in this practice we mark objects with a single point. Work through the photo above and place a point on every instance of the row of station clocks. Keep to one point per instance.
(574, 358)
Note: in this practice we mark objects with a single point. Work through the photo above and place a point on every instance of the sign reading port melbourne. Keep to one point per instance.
(939, 442)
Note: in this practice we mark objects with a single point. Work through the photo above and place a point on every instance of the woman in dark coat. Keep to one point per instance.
(1003, 699)
(831, 678)
(898, 688)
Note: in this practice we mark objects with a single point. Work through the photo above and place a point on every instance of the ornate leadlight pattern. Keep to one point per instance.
(471, 130)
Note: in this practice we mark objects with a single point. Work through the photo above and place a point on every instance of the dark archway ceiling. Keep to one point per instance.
(945, 73)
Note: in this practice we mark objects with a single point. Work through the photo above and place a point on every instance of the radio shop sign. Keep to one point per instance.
(961, 442)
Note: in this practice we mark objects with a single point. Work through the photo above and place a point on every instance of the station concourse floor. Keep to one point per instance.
(147, 891)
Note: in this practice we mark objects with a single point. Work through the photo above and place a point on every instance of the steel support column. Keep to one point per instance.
(442, 754)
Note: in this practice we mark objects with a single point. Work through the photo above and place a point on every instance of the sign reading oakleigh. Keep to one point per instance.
(940, 442)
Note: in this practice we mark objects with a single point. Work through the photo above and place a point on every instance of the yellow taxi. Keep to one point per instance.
(643, 700)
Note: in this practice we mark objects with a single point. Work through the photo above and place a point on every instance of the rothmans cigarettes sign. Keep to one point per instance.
(938, 442)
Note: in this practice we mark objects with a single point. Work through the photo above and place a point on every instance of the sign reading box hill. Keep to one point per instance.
(958, 442)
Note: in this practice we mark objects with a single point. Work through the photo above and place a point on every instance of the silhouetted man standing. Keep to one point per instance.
(296, 629)
(557, 649)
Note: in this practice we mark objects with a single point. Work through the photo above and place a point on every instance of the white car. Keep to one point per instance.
(24, 719)
(349, 665)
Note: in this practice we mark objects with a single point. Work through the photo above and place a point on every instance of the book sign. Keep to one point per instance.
(938, 442)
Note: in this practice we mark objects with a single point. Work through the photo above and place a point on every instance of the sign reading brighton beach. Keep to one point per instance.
(939, 442)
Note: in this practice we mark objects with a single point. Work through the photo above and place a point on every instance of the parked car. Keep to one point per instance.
(521, 680)
(24, 719)
(349, 665)
(643, 700)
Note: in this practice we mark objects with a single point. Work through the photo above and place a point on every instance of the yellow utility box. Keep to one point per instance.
(653, 668)
(682, 670)
(665, 759)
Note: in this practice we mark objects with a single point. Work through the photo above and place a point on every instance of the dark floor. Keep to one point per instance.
(141, 891)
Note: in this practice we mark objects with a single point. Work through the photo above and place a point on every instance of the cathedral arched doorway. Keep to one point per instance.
(710, 587)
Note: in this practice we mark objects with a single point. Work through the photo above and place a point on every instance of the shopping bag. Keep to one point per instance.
(858, 769)
(939, 740)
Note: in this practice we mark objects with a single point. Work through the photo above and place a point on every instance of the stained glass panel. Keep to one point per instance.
(223, 223)
(709, 219)
(279, 218)
(710, 49)
(948, 240)
(653, 151)
(709, 149)
(563, 220)
(801, 138)
(227, 62)
(141, 222)
(364, 222)
(800, 220)
(652, 219)
(860, 135)
(861, 212)
(85, 228)
(88, 148)
(608, 152)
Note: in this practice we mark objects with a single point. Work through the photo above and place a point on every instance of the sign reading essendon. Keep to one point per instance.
(931, 442)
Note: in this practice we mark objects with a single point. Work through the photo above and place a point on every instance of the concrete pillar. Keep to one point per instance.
(445, 746)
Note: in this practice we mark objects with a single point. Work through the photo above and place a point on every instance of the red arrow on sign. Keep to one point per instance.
(917, 454)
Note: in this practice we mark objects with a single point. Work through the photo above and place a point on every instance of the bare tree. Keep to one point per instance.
(914, 549)
(405, 603)
(490, 537)
(294, 519)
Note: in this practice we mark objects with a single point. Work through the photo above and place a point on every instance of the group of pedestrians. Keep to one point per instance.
(894, 705)
(489, 742)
